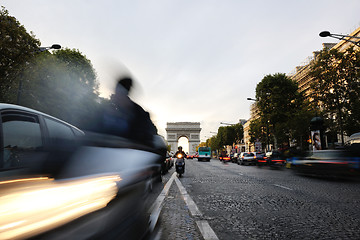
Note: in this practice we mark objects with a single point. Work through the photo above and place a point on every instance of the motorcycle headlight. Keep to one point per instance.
(179, 156)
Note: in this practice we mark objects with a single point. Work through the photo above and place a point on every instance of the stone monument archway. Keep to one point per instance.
(190, 130)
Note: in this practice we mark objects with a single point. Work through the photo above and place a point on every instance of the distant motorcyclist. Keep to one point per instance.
(180, 151)
(180, 161)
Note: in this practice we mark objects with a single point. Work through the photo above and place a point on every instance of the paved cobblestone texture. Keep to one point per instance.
(246, 202)
(176, 221)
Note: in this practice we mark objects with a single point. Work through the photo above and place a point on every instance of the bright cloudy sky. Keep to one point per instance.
(193, 60)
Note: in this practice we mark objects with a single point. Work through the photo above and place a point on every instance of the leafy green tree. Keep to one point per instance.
(62, 84)
(229, 134)
(258, 131)
(239, 132)
(202, 144)
(337, 89)
(214, 143)
(17, 49)
(278, 101)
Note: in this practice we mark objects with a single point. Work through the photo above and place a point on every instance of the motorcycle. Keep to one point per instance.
(180, 164)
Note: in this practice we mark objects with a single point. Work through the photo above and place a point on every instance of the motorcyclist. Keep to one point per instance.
(180, 160)
(180, 151)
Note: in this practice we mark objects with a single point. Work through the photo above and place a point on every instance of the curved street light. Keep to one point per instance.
(251, 99)
(41, 49)
(229, 124)
(54, 46)
(340, 37)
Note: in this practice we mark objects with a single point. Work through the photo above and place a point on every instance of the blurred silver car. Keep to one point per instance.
(248, 158)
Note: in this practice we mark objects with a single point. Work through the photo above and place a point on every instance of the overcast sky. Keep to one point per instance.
(193, 60)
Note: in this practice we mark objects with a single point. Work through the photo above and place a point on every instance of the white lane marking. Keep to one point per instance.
(188, 200)
(158, 204)
(206, 230)
(204, 227)
(283, 187)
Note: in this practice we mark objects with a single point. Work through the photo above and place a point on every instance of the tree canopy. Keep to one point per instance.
(336, 87)
(279, 104)
(226, 135)
(17, 49)
(63, 83)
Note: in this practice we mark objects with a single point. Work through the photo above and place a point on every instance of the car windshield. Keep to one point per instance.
(248, 155)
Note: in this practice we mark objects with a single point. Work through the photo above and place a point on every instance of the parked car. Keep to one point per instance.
(167, 164)
(247, 158)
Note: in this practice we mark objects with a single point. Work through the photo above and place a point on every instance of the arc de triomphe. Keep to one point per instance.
(190, 130)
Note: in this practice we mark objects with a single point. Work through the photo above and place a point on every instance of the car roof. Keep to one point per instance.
(7, 106)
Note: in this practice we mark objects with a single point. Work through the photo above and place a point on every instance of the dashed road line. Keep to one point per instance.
(277, 185)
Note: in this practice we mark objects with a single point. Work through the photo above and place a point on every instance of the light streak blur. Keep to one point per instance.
(30, 207)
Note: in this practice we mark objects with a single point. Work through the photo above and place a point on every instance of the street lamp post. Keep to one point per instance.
(340, 37)
(41, 49)
(267, 126)
(229, 124)
(54, 46)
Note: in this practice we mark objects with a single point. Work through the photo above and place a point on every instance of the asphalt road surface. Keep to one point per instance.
(248, 202)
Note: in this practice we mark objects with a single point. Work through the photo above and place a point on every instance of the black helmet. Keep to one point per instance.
(126, 83)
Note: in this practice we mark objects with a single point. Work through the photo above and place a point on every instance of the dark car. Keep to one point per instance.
(58, 182)
(275, 159)
(224, 157)
(261, 159)
(329, 163)
(167, 164)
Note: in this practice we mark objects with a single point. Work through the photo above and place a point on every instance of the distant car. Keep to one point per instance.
(261, 159)
(330, 163)
(233, 157)
(275, 159)
(248, 158)
(169, 162)
(189, 156)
